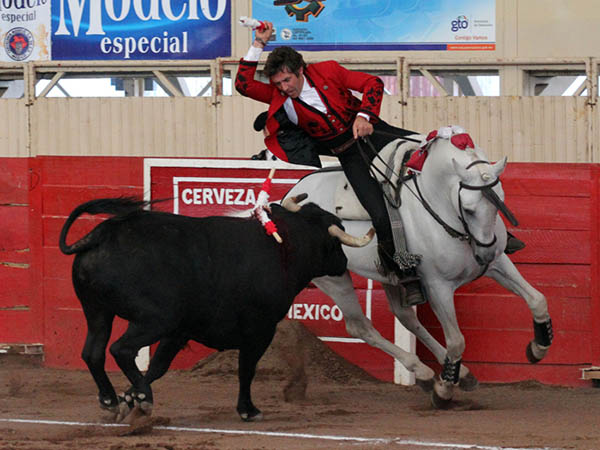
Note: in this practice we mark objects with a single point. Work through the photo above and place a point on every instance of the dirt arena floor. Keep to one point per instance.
(43, 409)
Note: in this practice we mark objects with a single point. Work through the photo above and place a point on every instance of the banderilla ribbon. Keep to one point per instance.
(262, 204)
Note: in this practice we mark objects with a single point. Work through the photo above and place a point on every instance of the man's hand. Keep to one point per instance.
(262, 37)
(361, 127)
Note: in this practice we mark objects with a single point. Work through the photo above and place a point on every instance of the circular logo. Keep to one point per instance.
(286, 34)
(18, 43)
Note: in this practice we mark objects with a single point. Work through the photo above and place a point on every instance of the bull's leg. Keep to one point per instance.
(408, 318)
(505, 273)
(163, 356)
(99, 325)
(124, 350)
(341, 290)
(249, 356)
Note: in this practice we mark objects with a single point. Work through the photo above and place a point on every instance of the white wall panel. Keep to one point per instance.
(526, 129)
(124, 127)
(533, 129)
(13, 132)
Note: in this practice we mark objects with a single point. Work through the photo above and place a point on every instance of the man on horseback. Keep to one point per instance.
(317, 99)
(314, 103)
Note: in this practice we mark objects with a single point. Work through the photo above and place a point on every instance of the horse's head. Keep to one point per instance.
(474, 191)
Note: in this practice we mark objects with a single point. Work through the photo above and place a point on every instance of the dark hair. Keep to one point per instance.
(260, 121)
(283, 58)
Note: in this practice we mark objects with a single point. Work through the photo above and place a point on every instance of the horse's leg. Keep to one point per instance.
(99, 324)
(504, 272)
(408, 318)
(341, 290)
(124, 350)
(442, 303)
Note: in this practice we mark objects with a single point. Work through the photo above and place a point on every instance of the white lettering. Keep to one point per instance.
(220, 194)
(250, 197)
(110, 9)
(308, 309)
(166, 6)
(143, 45)
(152, 14)
(305, 311)
(154, 44)
(336, 314)
(129, 46)
(185, 194)
(208, 196)
(73, 10)
(228, 197)
(204, 5)
(196, 196)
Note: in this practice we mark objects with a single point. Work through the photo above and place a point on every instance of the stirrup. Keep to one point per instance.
(513, 244)
(414, 294)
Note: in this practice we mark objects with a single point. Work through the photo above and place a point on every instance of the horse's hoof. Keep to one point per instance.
(252, 417)
(438, 402)
(426, 385)
(530, 355)
(468, 383)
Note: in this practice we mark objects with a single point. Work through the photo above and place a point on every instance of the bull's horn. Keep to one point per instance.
(291, 203)
(348, 239)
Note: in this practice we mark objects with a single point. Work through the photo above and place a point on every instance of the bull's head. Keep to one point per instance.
(292, 204)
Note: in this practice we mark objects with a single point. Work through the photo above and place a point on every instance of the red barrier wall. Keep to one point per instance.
(557, 205)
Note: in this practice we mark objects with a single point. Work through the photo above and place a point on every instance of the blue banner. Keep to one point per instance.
(140, 29)
(381, 24)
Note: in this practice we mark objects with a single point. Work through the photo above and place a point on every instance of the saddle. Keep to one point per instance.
(393, 155)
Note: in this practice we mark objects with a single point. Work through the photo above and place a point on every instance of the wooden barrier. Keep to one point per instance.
(556, 204)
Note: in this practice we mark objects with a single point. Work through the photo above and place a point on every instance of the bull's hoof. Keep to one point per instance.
(530, 354)
(425, 385)
(109, 404)
(254, 416)
(131, 400)
(468, 383)
(438, 402)
(124, 409)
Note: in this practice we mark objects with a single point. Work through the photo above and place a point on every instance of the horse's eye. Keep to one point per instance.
(469, 212)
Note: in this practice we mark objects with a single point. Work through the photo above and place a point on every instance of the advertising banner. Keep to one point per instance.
(208, 187)
(381, 24)
(140, 29)
(24, 30)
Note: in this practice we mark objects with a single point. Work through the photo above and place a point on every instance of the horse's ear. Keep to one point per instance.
(462, 172)
(499, 167)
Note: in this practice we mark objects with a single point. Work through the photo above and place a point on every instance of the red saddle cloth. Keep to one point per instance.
(460, 140)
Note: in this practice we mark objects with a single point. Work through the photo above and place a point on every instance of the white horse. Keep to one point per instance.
(450, 216)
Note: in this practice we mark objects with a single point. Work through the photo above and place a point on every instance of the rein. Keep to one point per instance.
(486, 191)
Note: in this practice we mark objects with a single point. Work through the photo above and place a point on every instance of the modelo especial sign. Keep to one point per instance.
(140, 29)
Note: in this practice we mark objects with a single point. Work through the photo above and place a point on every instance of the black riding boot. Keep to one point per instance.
(414, 294)
(513, 244)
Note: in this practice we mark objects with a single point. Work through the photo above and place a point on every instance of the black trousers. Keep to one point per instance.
(367, 189)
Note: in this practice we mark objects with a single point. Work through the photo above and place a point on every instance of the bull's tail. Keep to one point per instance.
(112, 206)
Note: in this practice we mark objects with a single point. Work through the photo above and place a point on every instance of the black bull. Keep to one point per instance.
(220, 281)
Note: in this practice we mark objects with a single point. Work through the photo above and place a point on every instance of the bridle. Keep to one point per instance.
(486, 191)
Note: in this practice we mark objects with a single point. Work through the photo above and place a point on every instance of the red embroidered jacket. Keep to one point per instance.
(333, 83)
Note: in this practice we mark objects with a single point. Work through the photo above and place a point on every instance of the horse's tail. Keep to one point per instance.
(117, 207)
